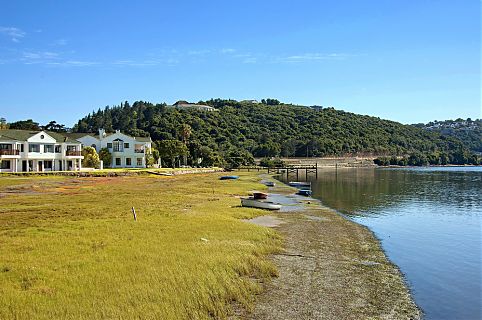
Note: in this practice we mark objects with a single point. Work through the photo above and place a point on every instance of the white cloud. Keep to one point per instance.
(198, 52)
(73, 63)
(15, 34)
(147, 62)
(310, 57)
(39, 55)
(60, 42)
(228, 50)
(250, 60)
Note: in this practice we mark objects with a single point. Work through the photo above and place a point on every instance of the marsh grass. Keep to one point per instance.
(69, 248)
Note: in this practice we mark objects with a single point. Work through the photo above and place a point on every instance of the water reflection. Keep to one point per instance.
(429, 222)
(353, 191)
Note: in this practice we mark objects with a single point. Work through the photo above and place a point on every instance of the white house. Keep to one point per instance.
(187, 105)
(126, 151)
(24, 151)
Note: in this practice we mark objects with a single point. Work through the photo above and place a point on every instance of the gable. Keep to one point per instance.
(119, 135)
(42, 137)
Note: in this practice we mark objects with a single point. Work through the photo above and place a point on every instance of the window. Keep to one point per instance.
(42, 136)
(5, 164)
(20, 147)
(33, 148)
(118, 145)
(5, 146)
(117, 161)
(139, 161)
(48, 164)
(109, 145)
(49, 148)
(58, 149)
(128, 162)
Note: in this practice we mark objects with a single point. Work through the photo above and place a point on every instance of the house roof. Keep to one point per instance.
(78, 135)
(24, 135)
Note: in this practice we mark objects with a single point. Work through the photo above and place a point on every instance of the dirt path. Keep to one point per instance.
(332, 268)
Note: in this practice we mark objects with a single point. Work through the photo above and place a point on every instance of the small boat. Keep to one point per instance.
(299, 184)
(229, 178)
(260, 195)
(269, 183)
(304, 192)
(260, 204)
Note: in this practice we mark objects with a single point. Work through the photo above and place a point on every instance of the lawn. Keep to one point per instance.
(70, 249)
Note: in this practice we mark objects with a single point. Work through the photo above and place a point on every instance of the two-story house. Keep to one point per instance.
(25, 150)
(127, 151)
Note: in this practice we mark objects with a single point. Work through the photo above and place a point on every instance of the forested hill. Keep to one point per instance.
(468, 131)
(269, 129)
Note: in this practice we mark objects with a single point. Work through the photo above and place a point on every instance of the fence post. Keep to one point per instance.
(134, 214)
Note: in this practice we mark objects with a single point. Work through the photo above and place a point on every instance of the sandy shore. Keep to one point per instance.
(332, 268)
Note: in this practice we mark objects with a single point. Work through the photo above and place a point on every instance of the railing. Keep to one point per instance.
(139, 150)
(70, 153)
(9, 152)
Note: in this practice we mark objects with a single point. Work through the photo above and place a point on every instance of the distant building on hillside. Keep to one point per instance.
(181, 104)
(250, 101)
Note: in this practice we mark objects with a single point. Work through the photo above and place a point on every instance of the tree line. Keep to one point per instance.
(239, 131)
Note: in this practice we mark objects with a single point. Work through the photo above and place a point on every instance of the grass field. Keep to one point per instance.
(70, 249)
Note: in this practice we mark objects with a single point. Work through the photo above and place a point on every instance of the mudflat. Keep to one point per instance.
(331, 268)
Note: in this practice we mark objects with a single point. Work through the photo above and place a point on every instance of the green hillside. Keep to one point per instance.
(269, 129)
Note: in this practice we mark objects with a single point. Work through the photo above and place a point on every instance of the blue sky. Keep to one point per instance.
(408, 61)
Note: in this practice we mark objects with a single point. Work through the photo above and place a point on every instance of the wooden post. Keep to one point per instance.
(134, 214)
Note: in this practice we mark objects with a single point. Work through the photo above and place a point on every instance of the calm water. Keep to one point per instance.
(429, 223)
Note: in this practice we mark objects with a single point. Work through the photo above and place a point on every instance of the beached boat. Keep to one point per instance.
(260, 195)
(304, 192)
(299, 184)
(269, 183)
(260, 204)
(229, 178)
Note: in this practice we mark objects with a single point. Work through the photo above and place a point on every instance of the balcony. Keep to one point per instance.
(139, 150)
(71, 153)
(9, 152)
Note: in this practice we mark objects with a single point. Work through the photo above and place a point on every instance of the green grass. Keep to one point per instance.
(69, 248)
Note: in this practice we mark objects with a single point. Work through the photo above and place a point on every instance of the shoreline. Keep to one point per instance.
(331, 267)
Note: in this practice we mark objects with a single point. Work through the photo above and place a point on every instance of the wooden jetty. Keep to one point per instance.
(288, 170)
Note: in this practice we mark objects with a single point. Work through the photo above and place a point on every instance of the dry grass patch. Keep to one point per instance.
(70, 249)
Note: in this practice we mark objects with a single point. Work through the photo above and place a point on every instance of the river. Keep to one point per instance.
(429, 223)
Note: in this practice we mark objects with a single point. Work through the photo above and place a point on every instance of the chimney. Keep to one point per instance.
(101, 133)
(117, 131)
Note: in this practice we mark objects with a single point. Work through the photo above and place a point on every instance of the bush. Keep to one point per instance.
(105, 156)
(91, 158)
